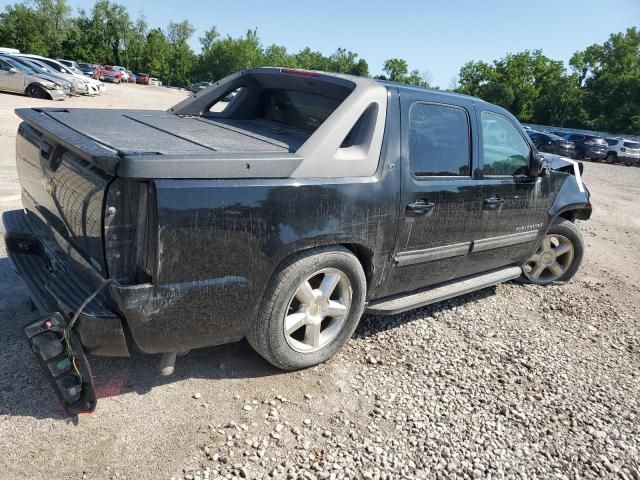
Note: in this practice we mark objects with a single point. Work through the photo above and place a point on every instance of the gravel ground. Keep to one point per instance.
(512, 382)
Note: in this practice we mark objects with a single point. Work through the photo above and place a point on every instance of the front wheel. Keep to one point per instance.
(611, 158)
(36, 91)
(558, 256)
(310, 309)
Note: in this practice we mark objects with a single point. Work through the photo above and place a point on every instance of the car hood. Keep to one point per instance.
(54, 79)
(558, 162)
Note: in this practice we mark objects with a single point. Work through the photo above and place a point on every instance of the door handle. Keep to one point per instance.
(493, 203)
(419, 208)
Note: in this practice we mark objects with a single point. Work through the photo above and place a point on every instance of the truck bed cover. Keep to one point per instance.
(149, 143)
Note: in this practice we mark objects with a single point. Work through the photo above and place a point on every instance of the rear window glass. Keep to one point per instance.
(632, 145)
(303, 110)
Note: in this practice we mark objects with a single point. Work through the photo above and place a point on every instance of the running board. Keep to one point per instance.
(399, 304)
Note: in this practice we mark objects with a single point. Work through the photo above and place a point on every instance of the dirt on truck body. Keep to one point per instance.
(275, 205)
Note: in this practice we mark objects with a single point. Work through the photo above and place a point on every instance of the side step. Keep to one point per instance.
(398, 304)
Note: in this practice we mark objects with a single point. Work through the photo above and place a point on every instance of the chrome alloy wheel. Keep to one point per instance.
(318, 310)
(552, 260)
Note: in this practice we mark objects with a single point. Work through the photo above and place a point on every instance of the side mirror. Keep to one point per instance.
(13, 70)
(537, 166)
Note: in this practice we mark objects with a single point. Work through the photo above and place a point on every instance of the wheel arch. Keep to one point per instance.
(39, 85)
(362, 252)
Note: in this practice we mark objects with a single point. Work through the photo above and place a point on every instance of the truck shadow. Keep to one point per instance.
(24, 390)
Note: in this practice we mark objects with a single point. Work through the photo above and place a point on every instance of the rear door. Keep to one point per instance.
(440, 200)
(514, 205)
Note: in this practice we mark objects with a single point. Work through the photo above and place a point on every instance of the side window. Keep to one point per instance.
(504, 150)
(439, 142)
(4, 66)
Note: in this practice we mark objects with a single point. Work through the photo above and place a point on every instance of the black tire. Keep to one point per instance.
(611, 158)
(36, 91)
(570, 232)
(267, 335)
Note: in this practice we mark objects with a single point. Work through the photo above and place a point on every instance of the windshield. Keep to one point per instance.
(31, 65)
(19, 66)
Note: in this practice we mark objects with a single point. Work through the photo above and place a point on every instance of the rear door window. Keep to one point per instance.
(439, 143)
(505, 152)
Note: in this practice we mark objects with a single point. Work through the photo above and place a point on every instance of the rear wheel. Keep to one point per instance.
(36, 91)
(310, 309)
(558, 256)
(611, 157)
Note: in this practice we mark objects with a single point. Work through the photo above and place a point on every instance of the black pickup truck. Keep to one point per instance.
(277, 205)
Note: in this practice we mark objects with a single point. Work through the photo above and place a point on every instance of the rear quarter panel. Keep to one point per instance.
(219, 242)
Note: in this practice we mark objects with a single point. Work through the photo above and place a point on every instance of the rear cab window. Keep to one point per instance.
(439, 140)
(505, 152)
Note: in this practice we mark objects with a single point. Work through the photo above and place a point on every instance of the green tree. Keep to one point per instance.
(156, 54)
(609, 75)
(55, 21)
(20, 28)
(181, 57)
(396, 69)
(311, 60)
(277, 56)
(229, 55)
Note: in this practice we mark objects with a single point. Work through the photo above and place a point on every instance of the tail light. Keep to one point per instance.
(129, 227)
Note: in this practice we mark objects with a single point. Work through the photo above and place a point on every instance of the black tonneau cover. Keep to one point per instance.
(157, 144)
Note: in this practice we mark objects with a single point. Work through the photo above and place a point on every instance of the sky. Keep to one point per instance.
(438, 37)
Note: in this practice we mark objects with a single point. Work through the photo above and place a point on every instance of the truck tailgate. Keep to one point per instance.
(68, 158)
(64, 178)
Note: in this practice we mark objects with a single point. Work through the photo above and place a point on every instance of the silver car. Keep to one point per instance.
(43, 72)
(16, 77)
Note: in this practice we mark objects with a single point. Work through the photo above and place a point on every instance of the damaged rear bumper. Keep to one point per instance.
(64, 363)
(59, 283)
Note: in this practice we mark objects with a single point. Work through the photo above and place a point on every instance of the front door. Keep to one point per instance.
(11, 80)
(440, 198)
(514, 204)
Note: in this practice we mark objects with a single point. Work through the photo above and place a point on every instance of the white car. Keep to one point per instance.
(154, 82)
(71, 65)
(93, 87)
(623, 150)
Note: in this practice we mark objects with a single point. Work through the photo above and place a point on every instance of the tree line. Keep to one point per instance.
(599, 89)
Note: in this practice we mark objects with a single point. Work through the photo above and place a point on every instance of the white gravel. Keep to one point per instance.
(512, 382)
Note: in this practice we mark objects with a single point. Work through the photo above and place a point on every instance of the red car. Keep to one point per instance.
(142, 79)
(108, 73)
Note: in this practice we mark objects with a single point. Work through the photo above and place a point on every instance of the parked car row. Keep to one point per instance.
(586, 147)
(43, 77)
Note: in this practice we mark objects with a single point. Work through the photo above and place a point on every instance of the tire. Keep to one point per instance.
(36, 91)
(563, 236)
(611, 158)
(300, 348)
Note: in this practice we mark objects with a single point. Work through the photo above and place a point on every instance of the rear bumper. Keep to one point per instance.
(596, 154)
(57, 283)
